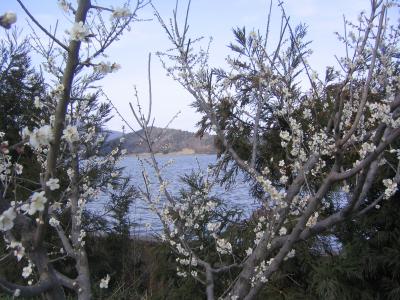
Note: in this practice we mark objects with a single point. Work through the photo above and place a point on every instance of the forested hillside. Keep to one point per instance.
(165, 141)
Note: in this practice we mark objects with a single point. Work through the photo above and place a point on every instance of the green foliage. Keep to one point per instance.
(19, 85)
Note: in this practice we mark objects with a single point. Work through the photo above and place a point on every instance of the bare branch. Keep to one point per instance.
(41, 27)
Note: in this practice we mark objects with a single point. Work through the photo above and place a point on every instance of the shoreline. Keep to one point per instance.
(133, 236)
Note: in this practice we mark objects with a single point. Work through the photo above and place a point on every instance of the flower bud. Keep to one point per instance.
(8, 19)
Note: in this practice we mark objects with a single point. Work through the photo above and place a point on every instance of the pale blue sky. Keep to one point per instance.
(214, 18)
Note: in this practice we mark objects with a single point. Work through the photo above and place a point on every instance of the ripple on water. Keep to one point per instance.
(141, 215)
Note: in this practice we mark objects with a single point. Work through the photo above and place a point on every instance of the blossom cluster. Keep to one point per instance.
(79, 32)
(39, 137)
(106, 67)
(120, 13)
(7, 219)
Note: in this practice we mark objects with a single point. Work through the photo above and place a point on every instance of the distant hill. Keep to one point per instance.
(112, 135)
(165, 141)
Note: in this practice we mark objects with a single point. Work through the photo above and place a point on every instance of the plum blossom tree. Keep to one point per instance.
(65, 137)
(298, 146)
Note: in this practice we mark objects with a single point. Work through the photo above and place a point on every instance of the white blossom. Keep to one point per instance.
(79, 31)
(312, 220)
(19, 250)
(64, 5)
(17, 293)
(391, 188)
(37, 202)
(81, 237)
(284, 179)
(7, 219)
(249, 251)
(70, 134)
(104, 282)
(181, 274)
(18, 169)
(4, 147)
(346, 188)
(290, 254)
(27, 271)
(41, 136)
(213, 227)
(37, 102)
(120, 12)
(193, 273)
(307, 113)
(70, 173)
(107, 67)
(285, 136)
(25, 133)
(282, 231)
(54, 222)
(223, 246)
(53, 184)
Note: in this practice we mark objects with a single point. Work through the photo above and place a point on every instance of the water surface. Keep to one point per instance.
(140, 214)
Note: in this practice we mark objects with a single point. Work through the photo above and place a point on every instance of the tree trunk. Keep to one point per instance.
(84, 292)
(47, 272)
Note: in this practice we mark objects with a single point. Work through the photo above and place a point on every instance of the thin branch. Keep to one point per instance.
(368, 80)
(41, 27)
(150, 94)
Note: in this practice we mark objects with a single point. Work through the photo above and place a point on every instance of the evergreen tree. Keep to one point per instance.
(20, 84)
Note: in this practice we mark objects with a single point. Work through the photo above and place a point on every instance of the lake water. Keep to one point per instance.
(140, 215)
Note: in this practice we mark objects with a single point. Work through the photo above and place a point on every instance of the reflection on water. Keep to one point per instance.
(238, 195)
